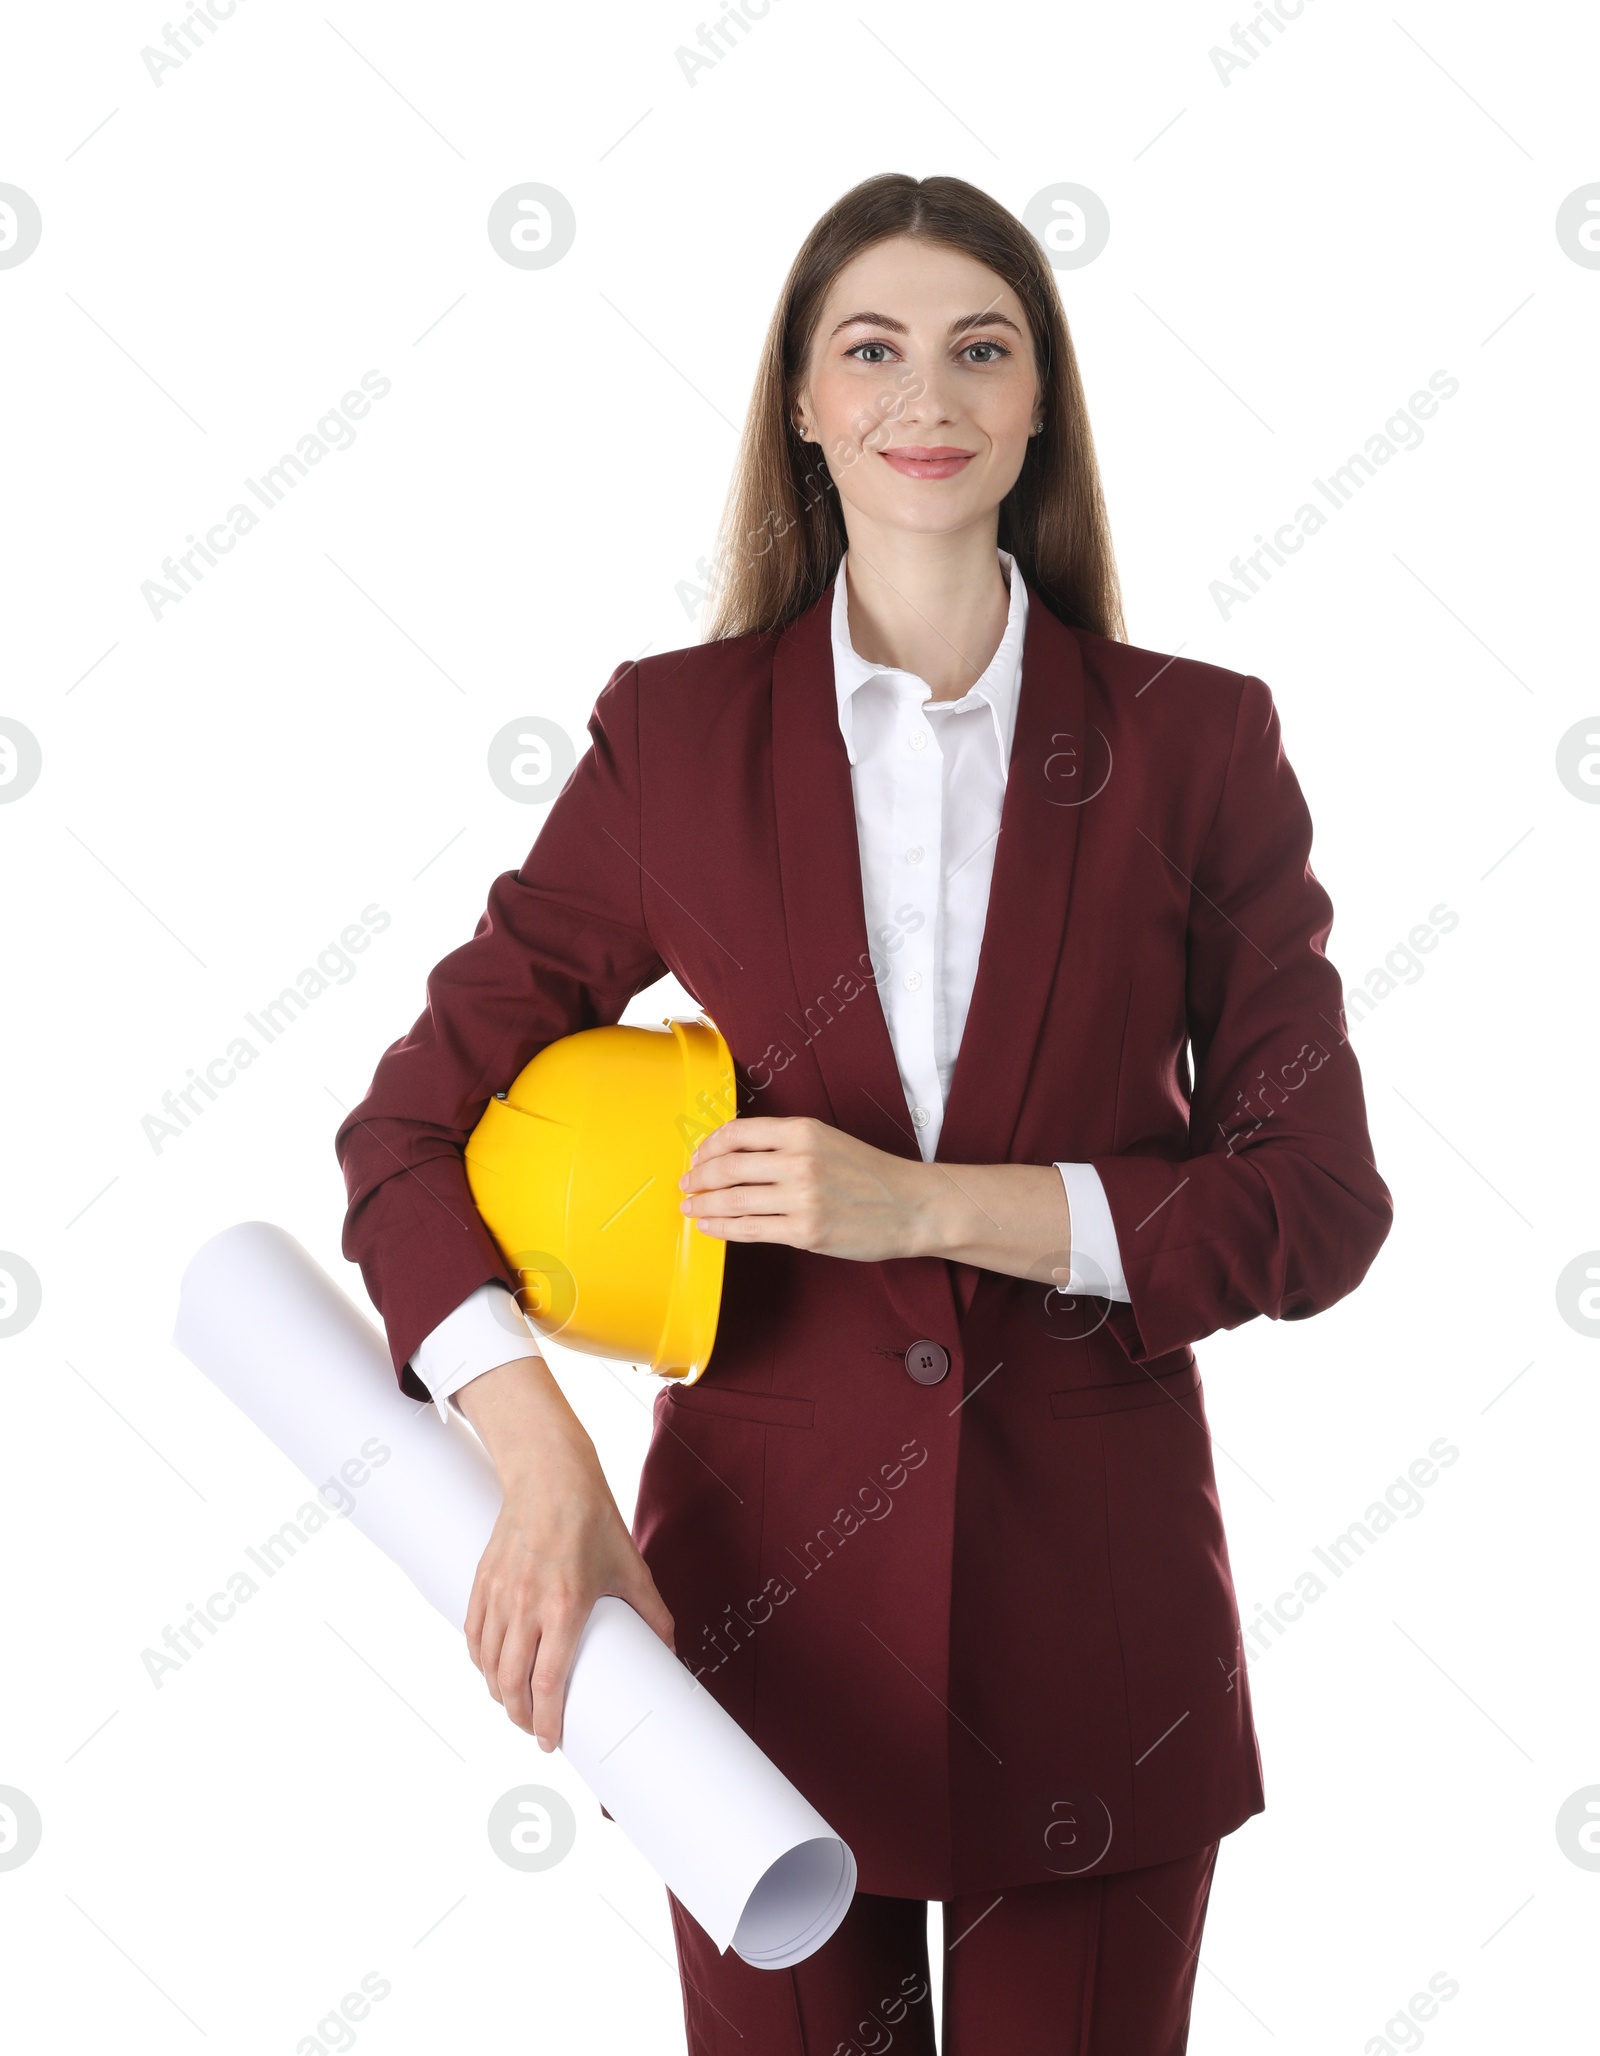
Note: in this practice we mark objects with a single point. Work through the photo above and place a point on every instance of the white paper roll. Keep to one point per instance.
(751, 1859)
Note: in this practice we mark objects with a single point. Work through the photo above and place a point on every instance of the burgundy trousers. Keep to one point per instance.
(1101, 1966)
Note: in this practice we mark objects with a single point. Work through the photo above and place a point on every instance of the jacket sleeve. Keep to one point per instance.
(562, 945)
(1277, 1208)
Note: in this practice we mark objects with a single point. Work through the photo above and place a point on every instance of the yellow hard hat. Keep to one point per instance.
(575, 1172)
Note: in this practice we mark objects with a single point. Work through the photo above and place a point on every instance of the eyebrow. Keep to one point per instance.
(957, 327)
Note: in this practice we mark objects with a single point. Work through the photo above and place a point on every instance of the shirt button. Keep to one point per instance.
(913, 981)
(920, 1116)
(914, 854)
(926, 1362)
(918, 740)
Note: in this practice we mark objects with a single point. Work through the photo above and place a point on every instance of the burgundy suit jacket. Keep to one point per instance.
(986, 1625)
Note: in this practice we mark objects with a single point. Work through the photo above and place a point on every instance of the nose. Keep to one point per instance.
(921, 398)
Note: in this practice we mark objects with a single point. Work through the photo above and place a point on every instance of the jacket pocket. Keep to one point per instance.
(769, 1409)
(1120, 1398)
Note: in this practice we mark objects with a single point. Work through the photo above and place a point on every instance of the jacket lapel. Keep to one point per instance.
(1056, 767)
(1051, 773)
(841, 1022)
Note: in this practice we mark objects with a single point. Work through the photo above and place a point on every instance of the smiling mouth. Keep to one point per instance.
(932, 461)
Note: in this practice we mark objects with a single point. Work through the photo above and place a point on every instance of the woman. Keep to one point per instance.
(938, 1525)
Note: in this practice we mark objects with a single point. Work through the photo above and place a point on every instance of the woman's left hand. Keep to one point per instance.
(795, 1180)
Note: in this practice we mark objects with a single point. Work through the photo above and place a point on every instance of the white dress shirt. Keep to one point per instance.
(928, 777)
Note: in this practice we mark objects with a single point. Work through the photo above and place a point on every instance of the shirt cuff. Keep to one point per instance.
(1096, 1259)
(485, 1330)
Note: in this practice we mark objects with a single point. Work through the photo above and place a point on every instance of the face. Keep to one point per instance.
(921, 389)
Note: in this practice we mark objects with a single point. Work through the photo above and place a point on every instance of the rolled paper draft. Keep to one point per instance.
(714, 1817)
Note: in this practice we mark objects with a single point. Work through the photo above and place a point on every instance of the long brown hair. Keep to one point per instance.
(783, 533)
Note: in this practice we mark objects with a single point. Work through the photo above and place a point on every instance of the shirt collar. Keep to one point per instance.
(998, 687)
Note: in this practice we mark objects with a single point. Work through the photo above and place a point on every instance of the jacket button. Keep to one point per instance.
(927, 1362)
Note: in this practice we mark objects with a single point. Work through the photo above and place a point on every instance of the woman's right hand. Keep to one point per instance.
(558, 1545)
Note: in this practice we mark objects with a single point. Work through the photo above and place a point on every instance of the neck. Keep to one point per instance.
(933, 605)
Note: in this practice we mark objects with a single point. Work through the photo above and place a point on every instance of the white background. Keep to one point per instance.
(1292, 254)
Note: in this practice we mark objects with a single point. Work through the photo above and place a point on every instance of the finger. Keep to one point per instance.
(485, 1624)
(518, 1656)
(739, 1195)
(477, 1613)
(756, 1131)
(491, 1644)
(747, 1227)
(717, 1174)
(547, 1689)
(735, 1207)
(723, 1130)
